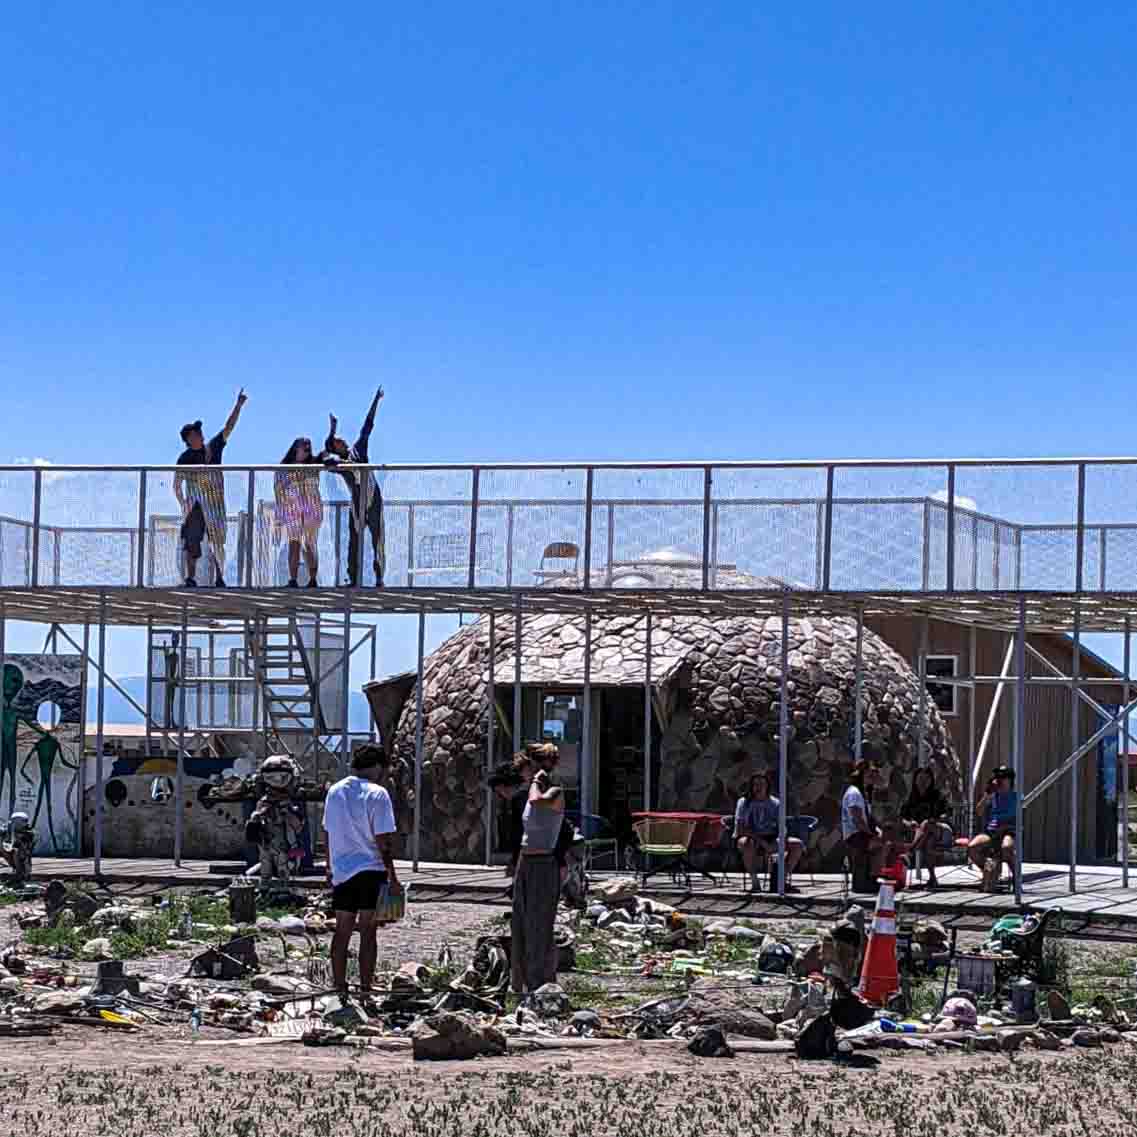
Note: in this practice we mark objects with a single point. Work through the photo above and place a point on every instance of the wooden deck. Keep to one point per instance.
(1100, 904)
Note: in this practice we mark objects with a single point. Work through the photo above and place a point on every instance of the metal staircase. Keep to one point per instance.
(285, 668)
(260, 679)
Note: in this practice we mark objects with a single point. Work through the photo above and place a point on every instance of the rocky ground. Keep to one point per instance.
(157, 1075)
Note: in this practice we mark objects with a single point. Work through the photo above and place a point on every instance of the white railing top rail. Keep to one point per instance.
(610, 464)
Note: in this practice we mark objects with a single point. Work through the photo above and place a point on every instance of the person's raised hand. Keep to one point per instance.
(242, 398)
(380, 395)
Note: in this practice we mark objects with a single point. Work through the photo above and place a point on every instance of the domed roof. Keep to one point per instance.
(728, 670)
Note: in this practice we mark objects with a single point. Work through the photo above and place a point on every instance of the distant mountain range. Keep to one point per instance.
(117, 710)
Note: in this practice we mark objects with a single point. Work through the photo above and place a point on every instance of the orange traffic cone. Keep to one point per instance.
(879, 975)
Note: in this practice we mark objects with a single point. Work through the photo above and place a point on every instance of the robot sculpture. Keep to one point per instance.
(277, 821)
(19, 839)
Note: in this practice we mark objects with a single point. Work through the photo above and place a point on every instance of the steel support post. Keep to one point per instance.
(416, 842)
(345, 740)
(317, 686)
(491, 716)
(180, 758)
(140, 563)
(1020, 746)
(37, 506)
(858, 687)
(708, 478)
(149, 682)
(4, 697)
(783, 741)
(586, 725)
(1075, 732)
(1123, 750)
(82, 726)
(972, 710)
(100, 713)
(647, 711)
(374, 664)
(922, 671)
(518, 743)
(251, 530)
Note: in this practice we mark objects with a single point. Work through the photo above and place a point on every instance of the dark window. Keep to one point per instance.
(943, 694)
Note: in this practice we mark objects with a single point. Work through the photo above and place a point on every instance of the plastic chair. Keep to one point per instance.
(668, 840)
(563, 551)
(600, 838)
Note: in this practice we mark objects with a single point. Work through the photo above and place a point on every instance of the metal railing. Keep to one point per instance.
(1047, 525)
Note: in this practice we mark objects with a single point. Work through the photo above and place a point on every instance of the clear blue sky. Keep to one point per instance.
(570, 230)
(657, 230)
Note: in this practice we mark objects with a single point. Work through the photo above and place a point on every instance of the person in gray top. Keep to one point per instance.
(756, 831)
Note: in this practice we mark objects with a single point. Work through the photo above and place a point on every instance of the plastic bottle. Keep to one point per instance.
(890, 1026)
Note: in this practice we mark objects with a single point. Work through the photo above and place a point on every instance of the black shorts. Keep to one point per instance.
(359, 893)
(193, 530)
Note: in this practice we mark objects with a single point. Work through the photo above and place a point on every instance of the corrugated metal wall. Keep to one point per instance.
(1048, 735)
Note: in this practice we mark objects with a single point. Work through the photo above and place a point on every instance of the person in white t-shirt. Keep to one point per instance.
(359, 827)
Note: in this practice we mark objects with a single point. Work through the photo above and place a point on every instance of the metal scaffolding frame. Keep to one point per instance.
(945, 594)
(1014, 671)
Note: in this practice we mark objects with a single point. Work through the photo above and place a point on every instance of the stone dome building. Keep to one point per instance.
(716, 686)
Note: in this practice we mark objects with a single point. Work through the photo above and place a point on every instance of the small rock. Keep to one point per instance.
(584, 1021)
(742, 932)
(551, 1001)
(615, 891)
(1086, 1037)
(278, 984)
(98, 948)
(736, 1010)
(452, 1035)
(710, 1042)
(57, 1003)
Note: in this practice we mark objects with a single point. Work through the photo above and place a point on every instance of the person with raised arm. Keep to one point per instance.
(364, 513)
(201, 495)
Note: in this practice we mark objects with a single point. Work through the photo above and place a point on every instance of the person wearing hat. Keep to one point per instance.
(359, 828)
(202, 495)
(999, 809)
(366, 497)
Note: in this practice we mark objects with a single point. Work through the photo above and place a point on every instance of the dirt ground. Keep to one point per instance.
(159, 1080)
(129, 1088)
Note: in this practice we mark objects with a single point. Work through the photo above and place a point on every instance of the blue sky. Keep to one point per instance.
(619, 231)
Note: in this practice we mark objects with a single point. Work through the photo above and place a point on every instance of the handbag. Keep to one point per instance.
(389, 909)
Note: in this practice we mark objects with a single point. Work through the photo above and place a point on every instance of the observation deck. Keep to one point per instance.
(958, 539)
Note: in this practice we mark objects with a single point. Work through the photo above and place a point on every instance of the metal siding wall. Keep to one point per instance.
(1046, 823)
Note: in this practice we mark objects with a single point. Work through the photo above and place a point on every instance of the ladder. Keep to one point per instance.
(285, 670)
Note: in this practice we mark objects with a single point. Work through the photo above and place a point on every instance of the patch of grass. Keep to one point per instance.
(724, 951)
(587, 992)
(62, 939)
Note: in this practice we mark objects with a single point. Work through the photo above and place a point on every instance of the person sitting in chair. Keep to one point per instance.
(863, 838)
(999, 809)
(924, 813)
(756, 831)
